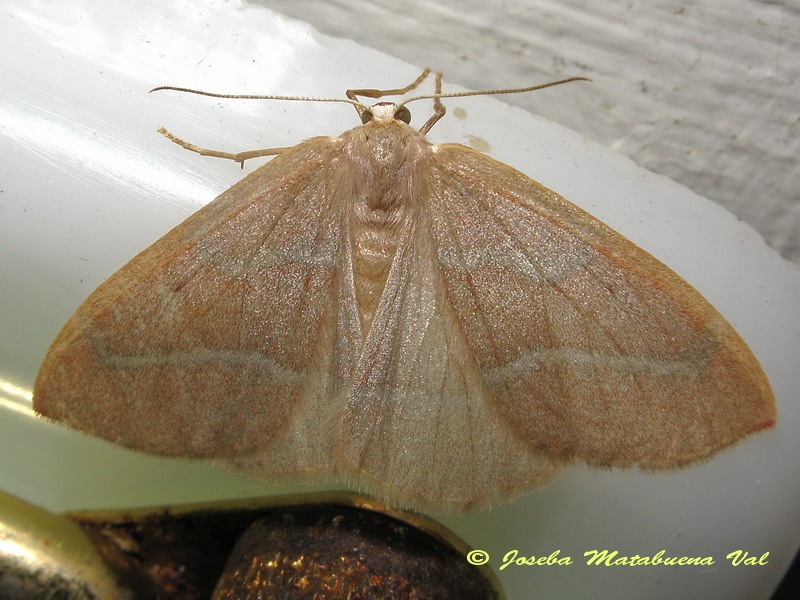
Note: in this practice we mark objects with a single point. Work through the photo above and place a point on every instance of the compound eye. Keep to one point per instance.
(366, 116)
(403, 114)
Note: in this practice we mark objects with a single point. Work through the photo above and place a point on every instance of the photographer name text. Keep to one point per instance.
(613, 558)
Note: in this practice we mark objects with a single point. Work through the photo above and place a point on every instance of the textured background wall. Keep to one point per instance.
(705, 92)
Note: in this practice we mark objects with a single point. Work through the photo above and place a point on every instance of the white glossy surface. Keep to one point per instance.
(87, 182)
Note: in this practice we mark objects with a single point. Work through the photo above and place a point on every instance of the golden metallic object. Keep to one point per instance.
(45, 556)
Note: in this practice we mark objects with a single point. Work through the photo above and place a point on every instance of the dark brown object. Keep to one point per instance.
(315, 546)
(339, 552)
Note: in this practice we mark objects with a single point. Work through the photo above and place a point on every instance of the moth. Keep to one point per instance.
(419, 321)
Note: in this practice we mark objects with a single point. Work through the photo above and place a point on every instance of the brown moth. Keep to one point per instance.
(421, 321)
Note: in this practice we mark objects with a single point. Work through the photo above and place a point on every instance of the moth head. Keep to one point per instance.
(386, 112)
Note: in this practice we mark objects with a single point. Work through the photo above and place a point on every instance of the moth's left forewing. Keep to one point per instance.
(589, 346)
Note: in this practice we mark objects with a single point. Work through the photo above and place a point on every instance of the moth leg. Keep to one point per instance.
(438, 108)
(239, 157)
(370, 93)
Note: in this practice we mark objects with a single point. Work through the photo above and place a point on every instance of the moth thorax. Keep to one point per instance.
(382, 194)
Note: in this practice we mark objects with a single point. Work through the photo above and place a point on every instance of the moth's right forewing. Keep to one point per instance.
(200, 345)
(589, 346)
(303, 448)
